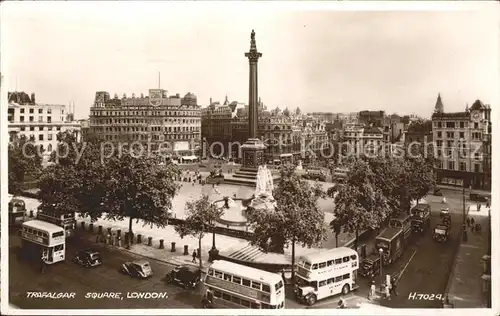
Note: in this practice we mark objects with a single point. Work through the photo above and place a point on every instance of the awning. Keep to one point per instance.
(188, 158)
(286, 155)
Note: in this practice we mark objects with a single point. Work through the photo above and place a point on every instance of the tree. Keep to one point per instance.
(76, 182)
(296, 217)
(139, 187)
(297, 111)
(25, 161)
(359, 204)
(202, 215)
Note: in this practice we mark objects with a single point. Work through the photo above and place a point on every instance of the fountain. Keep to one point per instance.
(235, 208)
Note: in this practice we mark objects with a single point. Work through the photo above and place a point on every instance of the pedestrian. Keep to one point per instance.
(468, 221)
(394, 286)
(372, 292)
(443, 200)
(194, 256)
(43, 265)
(388, 292)
(341, 303)
(472, 221)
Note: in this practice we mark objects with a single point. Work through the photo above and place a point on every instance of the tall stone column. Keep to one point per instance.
(253, 149)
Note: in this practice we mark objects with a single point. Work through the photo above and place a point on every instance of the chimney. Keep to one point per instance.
(210, 101)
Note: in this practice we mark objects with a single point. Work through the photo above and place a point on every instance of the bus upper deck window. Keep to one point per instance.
(345, 259)
(315, 266)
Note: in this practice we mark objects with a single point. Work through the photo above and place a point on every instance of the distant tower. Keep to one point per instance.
(439, 105)
(467, 107)
(226, 101)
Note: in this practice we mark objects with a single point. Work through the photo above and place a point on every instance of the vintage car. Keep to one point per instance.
(437, 192)
(88, 258)
(139, 268)
(445, 212)
(478, 197)
(185, 275)
(441, 233)
(370, 266)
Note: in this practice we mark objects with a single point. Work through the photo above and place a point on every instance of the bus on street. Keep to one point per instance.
(237, 286)
(66, 221)
(42, 241)
(326, 273)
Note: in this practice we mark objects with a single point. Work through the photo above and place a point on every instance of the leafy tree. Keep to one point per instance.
(359, 203)
(138, 187)
(296, 217)
(202, 215)
(25, 161)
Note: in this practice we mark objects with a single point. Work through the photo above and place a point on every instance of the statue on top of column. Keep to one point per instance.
(252, 36)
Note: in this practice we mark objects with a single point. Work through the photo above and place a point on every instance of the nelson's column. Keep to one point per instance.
(253, 149)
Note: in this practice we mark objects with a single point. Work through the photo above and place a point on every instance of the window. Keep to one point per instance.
(450, 134)
(32, 111)
(49, 111)
(278, 285)
(476, 125)
(21, 111)
(235, 299)
(322, 265)
(338, 261)
(450, 124)
(58, 247)
(315, 266)
(462, 124)
(226, 297)
(330, 263)
(345, 276)
(462, 166)
(254, 305)
(246, 282)
(21, 118)
(236, 279)
(451, 165)
(322, 283)
(256, 285)
(439, 124)
(477, 167)
(461, 135)
(353, 257)
(439, 134)
(266, 288)
(40, 119)
(49, 137)
(210, 271)
(32, 128)
(32, 119)
(23, 128)
(228, 277)
(40, 111)
(218, 274)
(49, 119)
(245, 303)
(58, 234)
(330, 281)
(218, 294)
(345, 259)
(338, 279)
(40, 137)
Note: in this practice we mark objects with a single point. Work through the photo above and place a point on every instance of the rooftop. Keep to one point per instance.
(43, 225)
(238, 269)
(320, 255)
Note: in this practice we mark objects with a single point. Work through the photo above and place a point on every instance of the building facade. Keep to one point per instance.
(171, 124)
(463, 145)
(38, 122)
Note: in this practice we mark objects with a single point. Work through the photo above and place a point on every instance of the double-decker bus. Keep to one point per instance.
(66, 221)
(326, 273)
(237, 286)
(17, 208)
(42, 240)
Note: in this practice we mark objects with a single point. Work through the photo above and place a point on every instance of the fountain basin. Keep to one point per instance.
(234, 215)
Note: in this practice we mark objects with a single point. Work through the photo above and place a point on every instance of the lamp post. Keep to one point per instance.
(381, 251)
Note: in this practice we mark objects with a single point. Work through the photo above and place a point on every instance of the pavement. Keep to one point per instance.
(465, 289)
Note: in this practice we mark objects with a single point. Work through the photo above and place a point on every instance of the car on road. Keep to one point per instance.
(445, 212)
(185, 275)
(88, 258)
(441, 233)
(437, 192)
(139, 269)
(370, 266)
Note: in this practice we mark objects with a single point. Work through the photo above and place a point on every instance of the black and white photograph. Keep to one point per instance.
(197, 157)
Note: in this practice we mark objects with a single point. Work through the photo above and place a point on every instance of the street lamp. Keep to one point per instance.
(381, 251)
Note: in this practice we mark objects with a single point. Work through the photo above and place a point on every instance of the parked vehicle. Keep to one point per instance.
(441, 233)
(392, 242)
(184, 275)
(88, 258)
(370, 266)
(139, 268)
(421, 218)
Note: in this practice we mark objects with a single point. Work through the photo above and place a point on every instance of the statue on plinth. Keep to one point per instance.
(263, 196)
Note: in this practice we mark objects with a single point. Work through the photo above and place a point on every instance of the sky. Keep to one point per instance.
(318, 60)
